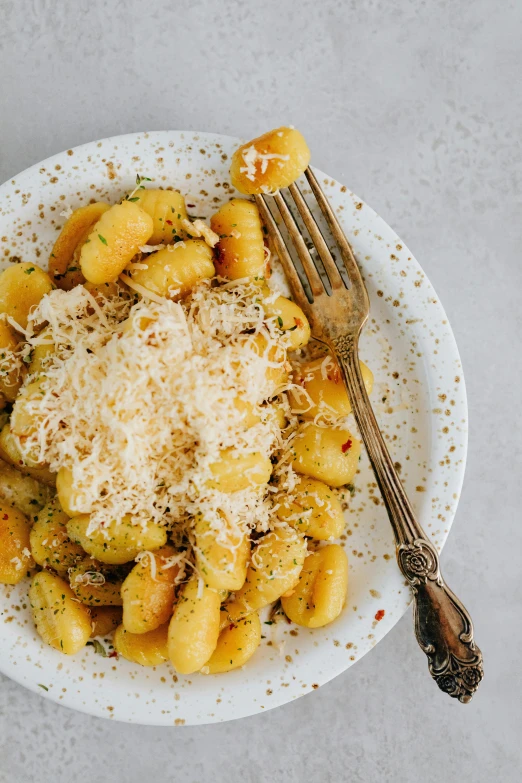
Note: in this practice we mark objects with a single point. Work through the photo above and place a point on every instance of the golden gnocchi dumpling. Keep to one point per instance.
(221, 555)
(194, 627)
(247, 412)
(290, 318)
(148, 591)
(118, 541)
(113, 241)
(270, 162)
(276, 374)
(41, 355)
(167, 210)
(241, 249)
(146, 649)
(10, 452)
(51, 546)
(24, 419)
(72, 496)
(11, 373)
(95, 583)
(313, 509)
(64, 266)
(319, 596)
(22, 286)
(275, 565)
(61, 621)
(236, 644)
(326, 454)
(323, 382)
(236, 471)
(175, 270)
(22, 491)
(15, 552)
(104, 620)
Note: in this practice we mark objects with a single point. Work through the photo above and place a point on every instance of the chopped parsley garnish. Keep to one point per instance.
(98, 647)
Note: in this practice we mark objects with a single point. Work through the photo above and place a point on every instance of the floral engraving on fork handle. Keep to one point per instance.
(443, 627)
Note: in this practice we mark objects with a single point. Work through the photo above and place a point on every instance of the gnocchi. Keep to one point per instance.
(325, 392)
(275, 565)
(148, 591)
(235, 472)
(64, 267)
(10, 452)
(11, 372)
(194, 627)
(319, 596)
(118, 542)
(276, 373)
(95, 583)
(104, 620)
(173, 271)
(15, 553)
(22, 491)
(270, 162)
(327, 454)
(290, 318)
(313, 509)
(72, 496)
(222, 564)
(146, 649)
(51, 546)
(61, 621)
(114, 240)
(236, 644)
(241, 249)
(40, 356)
(167, 210)
(22, 286)
(23, 422)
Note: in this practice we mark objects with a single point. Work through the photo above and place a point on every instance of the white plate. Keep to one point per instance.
(420, 401)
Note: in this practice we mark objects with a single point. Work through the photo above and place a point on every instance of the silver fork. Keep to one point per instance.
(443, 627)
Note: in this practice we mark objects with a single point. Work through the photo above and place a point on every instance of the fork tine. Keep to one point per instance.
(348, 257)
(322, 248)
(316, 284)
(284, 256)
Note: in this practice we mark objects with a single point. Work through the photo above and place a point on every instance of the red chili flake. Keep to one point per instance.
(191, 206)
(379, 615)
(346, 446)
(169, 222)
(113, 654)
(298, 322)
(6, 516)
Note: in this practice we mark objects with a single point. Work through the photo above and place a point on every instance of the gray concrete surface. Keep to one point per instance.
(417, 106)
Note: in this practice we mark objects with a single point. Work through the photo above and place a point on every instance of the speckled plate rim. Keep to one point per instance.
(250, 696)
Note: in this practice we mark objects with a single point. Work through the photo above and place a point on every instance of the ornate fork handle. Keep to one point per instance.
(443, 627)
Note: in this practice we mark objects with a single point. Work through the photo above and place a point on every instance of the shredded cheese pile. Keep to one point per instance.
(139, 399)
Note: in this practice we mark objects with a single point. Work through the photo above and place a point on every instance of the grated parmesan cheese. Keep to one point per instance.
(251, 157)
(198, 228)
(139, 399)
